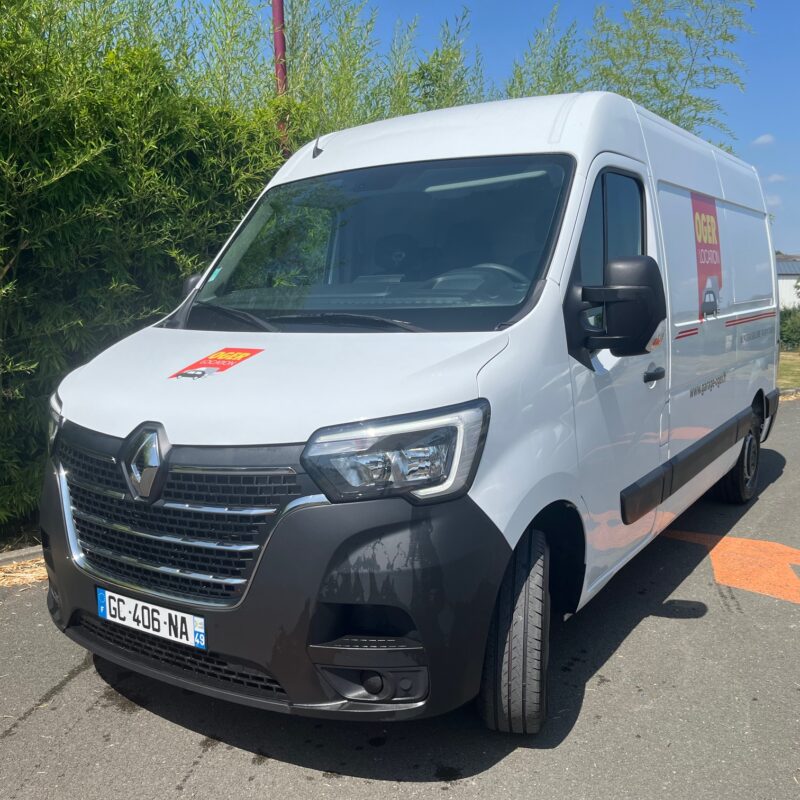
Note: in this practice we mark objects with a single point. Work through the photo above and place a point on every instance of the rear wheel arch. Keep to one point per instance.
(759, 405)
(740, 484)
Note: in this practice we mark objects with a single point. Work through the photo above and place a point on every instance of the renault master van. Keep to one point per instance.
(450, 373)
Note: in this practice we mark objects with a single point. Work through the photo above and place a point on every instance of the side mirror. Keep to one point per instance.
(190, 284)
(633, 296)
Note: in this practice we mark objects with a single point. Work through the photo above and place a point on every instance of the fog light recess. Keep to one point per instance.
(378, 686)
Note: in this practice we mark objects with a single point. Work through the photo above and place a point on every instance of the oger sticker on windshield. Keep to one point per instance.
(220, 361)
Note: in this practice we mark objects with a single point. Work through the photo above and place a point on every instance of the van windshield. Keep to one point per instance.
(436, 245)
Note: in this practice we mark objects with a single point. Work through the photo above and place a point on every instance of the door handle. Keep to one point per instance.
(655, 374)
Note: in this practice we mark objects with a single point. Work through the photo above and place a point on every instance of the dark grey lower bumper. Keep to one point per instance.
(341, 592)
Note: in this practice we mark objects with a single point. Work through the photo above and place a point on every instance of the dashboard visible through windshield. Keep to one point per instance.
(437, 245)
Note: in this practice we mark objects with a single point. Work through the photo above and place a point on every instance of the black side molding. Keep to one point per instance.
(644, 495)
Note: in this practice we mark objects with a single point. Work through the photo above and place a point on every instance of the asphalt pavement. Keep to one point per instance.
(680, 680)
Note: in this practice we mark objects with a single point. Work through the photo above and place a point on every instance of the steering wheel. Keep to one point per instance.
(508, 272)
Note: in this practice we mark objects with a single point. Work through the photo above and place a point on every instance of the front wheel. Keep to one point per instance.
(513, 697)
(740, 484)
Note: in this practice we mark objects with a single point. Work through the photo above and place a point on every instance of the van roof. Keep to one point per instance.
(580, 124)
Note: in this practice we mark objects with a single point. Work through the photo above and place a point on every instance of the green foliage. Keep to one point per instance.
(790, 328)
(670, 56)
(340, 75)
(552, 64)
(334, 64)
(446, 77)
(134, 133)
(116, 177)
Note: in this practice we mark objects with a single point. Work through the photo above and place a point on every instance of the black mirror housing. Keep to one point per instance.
(635, 306)
(190, 284)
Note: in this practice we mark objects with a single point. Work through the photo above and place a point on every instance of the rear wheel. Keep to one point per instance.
(740, 484)
(513, 689)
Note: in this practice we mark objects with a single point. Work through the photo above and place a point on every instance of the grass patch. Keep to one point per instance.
(789, 372)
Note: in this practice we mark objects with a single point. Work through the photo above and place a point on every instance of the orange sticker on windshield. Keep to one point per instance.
(220, 361)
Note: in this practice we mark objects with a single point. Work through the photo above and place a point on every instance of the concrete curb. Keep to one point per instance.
(24, 554)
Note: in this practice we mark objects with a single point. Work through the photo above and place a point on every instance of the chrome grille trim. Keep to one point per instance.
(242, 512)
(205, 509)
(231, 548)
(88, 451)
(93, 487)
(137, 562)
(233, 470)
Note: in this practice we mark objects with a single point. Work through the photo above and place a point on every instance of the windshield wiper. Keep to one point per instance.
(347, 318)
(239, 314)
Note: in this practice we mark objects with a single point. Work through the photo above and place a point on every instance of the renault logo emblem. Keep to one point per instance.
(144, 462)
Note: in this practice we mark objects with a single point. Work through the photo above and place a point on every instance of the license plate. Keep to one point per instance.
(164, 622)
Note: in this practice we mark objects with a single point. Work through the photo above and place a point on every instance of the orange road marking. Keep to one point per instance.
(750, 564)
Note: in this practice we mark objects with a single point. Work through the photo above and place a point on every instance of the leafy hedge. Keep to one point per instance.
(115, 179)
(790, 328)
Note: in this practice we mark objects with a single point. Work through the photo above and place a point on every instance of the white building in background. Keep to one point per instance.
(788, 275)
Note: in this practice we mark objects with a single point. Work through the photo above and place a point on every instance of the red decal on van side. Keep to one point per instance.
(707, 249)
(687, 332)
(219, 361)
(752, 318)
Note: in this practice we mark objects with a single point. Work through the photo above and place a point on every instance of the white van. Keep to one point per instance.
(450, 373)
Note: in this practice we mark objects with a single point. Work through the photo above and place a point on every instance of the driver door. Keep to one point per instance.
(619, 415)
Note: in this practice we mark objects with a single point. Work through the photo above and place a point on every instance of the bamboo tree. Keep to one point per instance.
(445, 77)
(671, 56)
(552, 64)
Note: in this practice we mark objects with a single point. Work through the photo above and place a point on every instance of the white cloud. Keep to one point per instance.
(765, 138)
(776, 177)
(773, 200)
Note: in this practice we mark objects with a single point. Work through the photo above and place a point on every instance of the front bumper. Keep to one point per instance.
(340, 592)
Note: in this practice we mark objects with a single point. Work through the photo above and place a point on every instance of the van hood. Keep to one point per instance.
(218, 388)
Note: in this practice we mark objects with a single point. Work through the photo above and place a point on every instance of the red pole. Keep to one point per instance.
(279, 34)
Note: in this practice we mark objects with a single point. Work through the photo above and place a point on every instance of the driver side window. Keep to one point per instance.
(613, 228)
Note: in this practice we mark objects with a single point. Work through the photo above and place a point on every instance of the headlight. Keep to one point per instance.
(428, 456)
(54, 419)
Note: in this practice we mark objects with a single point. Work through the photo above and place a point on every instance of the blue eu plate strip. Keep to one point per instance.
(199, 633)
(102, 606)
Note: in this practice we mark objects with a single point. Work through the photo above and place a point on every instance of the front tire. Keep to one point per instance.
(739, 485)
(513, 695)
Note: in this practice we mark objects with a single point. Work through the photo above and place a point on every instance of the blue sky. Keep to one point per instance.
(765, 118)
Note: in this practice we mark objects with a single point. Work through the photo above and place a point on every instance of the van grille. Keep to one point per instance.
(93, 467)
(164, 521)
(181, 660)
(199, 542)
(251, 489)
